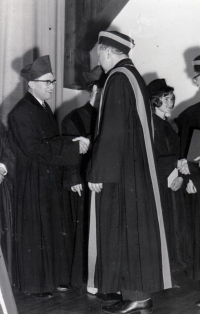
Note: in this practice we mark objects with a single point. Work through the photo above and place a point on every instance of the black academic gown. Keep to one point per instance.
(167, 152)
(6, 198)
(42, 229)
(187, 121)
(79, 122)
(128, 239)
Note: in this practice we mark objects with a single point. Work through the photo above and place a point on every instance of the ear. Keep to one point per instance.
(108, 53)
(31, 84)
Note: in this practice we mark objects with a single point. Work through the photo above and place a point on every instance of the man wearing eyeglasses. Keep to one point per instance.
(42, 229)
(189, 120)
(189, 125)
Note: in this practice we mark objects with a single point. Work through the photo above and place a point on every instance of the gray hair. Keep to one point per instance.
(112, 49)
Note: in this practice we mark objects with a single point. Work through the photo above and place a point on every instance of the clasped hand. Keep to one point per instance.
(182, 166)
(191, 189)
(176, 184)
(84, 144)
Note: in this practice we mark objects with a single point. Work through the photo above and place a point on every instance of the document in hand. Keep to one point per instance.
(173, 175)
(194, 149)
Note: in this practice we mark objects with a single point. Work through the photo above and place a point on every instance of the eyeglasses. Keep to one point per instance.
(195, 78)
(48, 82)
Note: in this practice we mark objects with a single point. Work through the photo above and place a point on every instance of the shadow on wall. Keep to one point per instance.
(148, 77)
(189, 55)
(12, 99)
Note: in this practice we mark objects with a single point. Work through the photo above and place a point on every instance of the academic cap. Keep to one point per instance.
(117, 40)
(39, 67)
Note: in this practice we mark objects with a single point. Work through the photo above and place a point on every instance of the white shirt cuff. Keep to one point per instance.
(4, 167)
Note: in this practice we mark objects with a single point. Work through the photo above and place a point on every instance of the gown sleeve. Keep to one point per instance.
(71, 173)
(58, 150)
(106, 161)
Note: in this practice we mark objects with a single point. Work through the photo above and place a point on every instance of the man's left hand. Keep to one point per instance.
(77, 188)
(95, 187)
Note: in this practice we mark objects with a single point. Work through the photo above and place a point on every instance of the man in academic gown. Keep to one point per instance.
(76, 194)
(6, 196)
(132, 254)
(43, 231)
(189, 120)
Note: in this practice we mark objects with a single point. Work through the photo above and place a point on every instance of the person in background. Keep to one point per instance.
(167, 153)
(7, 302)
(76, 196)
(42, 229)
(132, 255)
(6, 197)
(188, 121)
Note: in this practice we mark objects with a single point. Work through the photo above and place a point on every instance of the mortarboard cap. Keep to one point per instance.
(117, 40)
(39, 67)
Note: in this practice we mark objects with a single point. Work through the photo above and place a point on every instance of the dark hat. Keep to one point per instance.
(157, 86)
(36, 69)
(117, 40)
(94, 75)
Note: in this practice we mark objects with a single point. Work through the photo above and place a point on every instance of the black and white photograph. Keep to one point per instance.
(99, 157)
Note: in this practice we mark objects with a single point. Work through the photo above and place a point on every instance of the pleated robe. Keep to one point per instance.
(187, 121)
(6, 199)
(129, 252)
(167, 152)
(43, 244)
(79, 122)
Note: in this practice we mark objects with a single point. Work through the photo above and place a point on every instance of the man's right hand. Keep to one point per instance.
(191, 188)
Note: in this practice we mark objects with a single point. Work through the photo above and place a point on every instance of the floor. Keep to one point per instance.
(172, 301)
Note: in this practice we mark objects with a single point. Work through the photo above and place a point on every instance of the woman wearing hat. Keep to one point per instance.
(167, 151)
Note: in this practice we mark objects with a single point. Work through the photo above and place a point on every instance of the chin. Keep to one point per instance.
(48, 97)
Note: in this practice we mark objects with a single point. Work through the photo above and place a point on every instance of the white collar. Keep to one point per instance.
(39, 100)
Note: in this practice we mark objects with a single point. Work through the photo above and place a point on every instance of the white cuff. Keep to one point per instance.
(4, 168)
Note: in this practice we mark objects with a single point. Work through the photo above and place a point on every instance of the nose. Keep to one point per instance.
(99, 63)
(52, 86)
